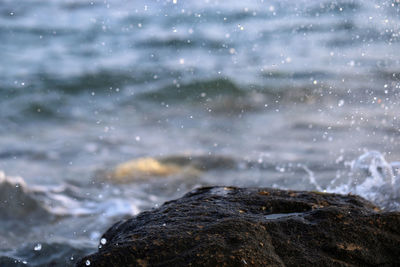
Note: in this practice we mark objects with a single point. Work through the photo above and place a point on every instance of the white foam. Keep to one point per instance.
(14, 180)
(58, 200)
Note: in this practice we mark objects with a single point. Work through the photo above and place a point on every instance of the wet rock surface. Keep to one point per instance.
(228, 226)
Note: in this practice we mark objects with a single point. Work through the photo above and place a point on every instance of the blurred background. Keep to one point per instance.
(111, 108)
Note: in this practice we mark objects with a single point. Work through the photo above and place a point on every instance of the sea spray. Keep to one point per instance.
(372, 177)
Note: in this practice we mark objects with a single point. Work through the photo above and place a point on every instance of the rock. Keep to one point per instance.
(143, 167)
(179, 165)
(228, 226)
(18, 202)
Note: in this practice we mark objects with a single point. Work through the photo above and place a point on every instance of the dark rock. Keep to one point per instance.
(227, 226)
(18, 203)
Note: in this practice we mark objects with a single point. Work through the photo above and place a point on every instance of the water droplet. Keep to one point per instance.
(38, 247)
(87, 262)
(340, 103)
(103, 241)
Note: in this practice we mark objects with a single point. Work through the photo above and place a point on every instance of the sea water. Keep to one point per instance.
(109, 108)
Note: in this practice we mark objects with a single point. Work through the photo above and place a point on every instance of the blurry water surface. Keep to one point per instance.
(290, 94)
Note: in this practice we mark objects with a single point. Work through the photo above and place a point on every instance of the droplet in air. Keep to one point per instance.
(87, 262)
(38, 247)
(103, 241)
(340, 103)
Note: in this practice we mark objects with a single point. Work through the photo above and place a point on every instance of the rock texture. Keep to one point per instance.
(227, 226)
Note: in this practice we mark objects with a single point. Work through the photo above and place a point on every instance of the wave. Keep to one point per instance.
(175, 43)
(100, 81)
(44, 254)
(56, 98)
(194, 91)
(362, 36)
(33, 205)
(334, 8)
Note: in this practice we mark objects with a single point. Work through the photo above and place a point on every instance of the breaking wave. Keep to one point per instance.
(44, 204)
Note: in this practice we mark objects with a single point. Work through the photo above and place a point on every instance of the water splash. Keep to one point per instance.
(311, 176)
(373, 178)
